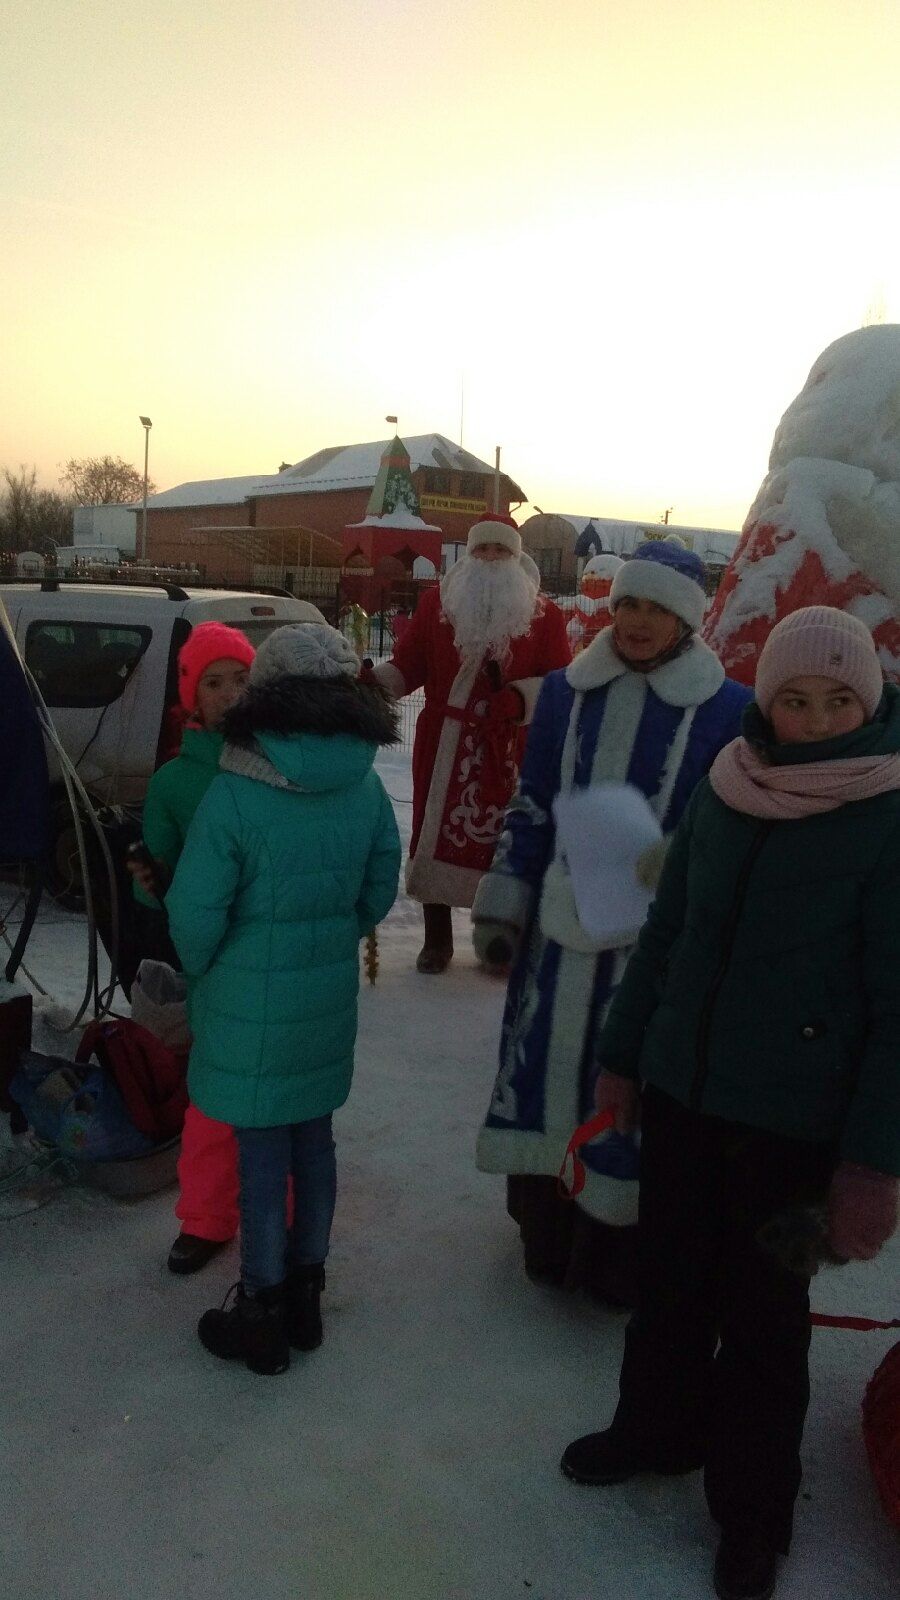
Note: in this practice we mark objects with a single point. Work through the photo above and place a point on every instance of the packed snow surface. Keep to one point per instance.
(414, 1456)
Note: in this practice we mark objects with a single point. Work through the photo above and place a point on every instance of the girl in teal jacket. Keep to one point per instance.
(292, 857)
(761, 1010)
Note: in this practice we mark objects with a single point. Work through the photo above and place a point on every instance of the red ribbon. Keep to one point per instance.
(860, 1324)
(589, 1130)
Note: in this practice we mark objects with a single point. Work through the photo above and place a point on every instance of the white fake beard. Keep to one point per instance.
(488, 604)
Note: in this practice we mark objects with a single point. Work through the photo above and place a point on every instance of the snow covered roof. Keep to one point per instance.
(353, 466)
(212, 492)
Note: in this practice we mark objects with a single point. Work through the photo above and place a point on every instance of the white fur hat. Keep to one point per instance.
(495, 529)
(304, 650)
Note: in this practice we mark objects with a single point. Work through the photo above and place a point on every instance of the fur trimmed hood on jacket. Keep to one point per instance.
(322, 706)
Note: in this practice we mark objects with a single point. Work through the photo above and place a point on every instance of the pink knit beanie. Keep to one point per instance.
(208, 642)
(820, 641)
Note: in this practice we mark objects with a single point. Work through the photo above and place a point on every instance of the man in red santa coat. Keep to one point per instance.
(481, 645)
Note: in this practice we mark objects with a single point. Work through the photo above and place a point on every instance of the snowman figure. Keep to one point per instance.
(824, 528)
(592, 613)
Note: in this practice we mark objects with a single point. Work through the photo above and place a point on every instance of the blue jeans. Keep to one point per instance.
(266, 1156)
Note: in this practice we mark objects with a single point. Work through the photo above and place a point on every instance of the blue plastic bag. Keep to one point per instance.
(77, 1108)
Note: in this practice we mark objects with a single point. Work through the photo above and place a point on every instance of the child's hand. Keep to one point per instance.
(619, 1095)
(152, 879)
(862, 1211)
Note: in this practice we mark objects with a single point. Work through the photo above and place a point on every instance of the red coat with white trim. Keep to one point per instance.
(465, 760)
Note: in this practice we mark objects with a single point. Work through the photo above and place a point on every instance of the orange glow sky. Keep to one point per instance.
(631, 227)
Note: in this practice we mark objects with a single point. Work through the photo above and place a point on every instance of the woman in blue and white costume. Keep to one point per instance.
(646, 703)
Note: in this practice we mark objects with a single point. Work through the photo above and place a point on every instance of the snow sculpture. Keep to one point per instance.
(592, 611)
(824, 528)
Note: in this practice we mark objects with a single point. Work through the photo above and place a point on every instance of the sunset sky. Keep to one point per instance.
(627, 227)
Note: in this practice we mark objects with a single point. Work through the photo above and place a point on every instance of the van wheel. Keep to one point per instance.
(64, 877)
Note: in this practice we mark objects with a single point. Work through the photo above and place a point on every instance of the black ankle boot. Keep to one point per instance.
(746, 1568)
(606, 1458)
(253, 1330)
(189, 1252)
(304, 1317)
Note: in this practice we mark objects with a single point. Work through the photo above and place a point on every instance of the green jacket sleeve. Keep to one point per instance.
(871, 1135)
(379, 890)
(161, 828)
(635, 1000)
(206, 880)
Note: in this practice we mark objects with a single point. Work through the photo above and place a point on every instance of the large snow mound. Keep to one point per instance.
(824, 528)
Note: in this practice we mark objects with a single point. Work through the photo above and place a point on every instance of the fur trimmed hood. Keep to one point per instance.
(324, 706)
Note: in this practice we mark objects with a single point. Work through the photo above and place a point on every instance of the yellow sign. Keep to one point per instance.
(445, 502)
(661, 531)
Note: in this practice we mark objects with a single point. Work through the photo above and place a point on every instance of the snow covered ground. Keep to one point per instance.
(413, 1457)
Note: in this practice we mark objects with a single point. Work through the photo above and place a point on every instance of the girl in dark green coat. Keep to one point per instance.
(761, 1010)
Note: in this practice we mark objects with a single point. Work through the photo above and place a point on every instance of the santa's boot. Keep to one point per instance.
(437, 951)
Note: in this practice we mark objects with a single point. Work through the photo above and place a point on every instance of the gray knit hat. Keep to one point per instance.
(304, 650)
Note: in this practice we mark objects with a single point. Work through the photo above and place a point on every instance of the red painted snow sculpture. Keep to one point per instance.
(825, 526)
(592, 614)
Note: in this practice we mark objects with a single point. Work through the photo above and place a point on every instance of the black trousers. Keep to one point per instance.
(716, 1356)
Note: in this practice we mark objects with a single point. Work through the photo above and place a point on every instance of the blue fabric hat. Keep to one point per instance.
(667, 574)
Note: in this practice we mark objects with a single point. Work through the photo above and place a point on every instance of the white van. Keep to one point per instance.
(105, 658)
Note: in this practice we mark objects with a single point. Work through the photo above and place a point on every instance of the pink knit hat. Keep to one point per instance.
(820, 641)
(208, 642)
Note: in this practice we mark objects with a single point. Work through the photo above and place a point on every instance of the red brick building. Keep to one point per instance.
(227, 526)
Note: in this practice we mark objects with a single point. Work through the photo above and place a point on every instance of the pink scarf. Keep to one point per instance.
(747, 783)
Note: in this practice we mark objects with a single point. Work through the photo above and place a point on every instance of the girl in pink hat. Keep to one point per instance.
(757, 1024)
(213, 665)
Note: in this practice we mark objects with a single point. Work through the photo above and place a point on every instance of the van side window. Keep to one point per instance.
(83, 663)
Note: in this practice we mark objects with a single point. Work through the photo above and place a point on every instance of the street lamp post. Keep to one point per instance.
(146, 424)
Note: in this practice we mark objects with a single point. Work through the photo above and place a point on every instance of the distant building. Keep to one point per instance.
(559, 542)
(208, 523)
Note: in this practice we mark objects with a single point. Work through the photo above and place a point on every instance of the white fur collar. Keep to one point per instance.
(688, 680)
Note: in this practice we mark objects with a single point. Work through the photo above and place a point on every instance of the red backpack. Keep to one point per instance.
(151, 1078)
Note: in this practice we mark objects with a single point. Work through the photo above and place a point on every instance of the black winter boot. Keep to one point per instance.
(189, 1252)
(746, 1568)
(253, 1330)
(606, 1458)
(304, 1318)
(437, 951)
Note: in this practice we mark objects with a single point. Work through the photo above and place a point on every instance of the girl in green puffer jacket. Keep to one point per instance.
(761, 1009)
(292, 857)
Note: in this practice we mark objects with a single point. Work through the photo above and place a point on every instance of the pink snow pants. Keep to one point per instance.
(208, 1177)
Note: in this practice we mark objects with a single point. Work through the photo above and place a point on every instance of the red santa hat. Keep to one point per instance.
(208, 642)
(495, 528)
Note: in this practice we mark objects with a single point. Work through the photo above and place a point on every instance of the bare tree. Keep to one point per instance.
(32, 518)
(104, 481)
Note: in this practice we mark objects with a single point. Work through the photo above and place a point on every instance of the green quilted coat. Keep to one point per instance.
(292, 856)
(173, 795)
(765, 986)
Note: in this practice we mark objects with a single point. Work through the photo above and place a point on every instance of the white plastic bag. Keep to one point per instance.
(159, 1004)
